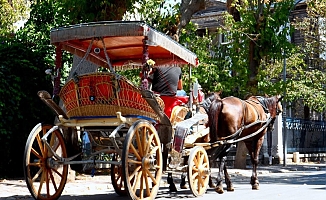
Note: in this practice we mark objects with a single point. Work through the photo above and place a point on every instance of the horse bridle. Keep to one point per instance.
(278, 111)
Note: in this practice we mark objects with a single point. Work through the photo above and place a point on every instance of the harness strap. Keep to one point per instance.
(255, 107)
(221, 142)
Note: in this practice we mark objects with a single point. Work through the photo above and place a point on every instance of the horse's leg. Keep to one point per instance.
(211, 183)
(219, 178)
(229, 185)
(172, 187)
(254, 149)
(183, 181)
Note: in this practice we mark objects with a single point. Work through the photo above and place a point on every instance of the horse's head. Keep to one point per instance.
(279, 108)
(275, 105)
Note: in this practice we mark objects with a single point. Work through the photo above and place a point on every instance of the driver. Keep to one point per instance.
(166, 80)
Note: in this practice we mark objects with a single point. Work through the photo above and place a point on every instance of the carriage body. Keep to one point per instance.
(104, 119)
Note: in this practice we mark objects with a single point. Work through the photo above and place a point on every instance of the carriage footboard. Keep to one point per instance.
(46, 98)
(165, 126)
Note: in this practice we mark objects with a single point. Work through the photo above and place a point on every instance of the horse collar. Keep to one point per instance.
(262, 102)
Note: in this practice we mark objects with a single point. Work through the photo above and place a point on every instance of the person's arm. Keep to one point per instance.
(180, 84)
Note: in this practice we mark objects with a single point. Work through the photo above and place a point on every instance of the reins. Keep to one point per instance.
(220, 142)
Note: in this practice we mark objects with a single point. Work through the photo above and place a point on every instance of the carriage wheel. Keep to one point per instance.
(117, 178)
(44, 179)
(198, 170)
(142, 161)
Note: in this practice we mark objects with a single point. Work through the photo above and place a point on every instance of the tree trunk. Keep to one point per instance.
(241, 155)
(187, 9)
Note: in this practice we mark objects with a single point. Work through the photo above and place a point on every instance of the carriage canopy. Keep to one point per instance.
(123, 42)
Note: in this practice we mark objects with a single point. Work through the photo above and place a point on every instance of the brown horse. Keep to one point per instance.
(231, 120)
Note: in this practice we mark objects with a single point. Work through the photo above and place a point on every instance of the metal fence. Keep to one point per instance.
(305, 136)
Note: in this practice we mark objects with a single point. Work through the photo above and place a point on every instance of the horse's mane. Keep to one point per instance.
(210, 98)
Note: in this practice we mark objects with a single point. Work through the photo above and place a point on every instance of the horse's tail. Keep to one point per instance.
(214, 111)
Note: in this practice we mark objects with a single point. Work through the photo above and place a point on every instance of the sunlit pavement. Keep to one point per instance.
(297, 182)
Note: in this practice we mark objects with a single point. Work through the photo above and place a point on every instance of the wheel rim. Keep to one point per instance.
(117, 177)
(142, 161)
(198, 171)
(44, 179)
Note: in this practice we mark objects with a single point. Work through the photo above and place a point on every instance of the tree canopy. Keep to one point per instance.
(12, 12)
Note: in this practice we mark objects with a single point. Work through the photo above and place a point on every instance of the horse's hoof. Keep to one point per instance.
(255, 186)
(212, 185)
(172, 188)
(219, 190)
(230, 189)
(183, 187)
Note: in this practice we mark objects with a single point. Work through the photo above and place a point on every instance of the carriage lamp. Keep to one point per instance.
(97, 50)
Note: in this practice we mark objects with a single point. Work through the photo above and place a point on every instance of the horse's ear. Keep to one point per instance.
(280, 98)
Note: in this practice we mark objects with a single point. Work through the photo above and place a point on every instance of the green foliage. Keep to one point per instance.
(10, 13)
(259, 37)
(78, 11)
(21, 72)
(309, 83)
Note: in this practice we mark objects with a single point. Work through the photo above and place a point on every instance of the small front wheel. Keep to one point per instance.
(45, 178)
(142, 161)
(198, 171)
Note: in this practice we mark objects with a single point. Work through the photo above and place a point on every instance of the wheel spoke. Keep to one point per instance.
(134, 173)
(33, 151)
(194, 168)
(41, 182)
(37, 175)
(202, 156)
(200, 181)
(57, 172)
(34, 164)
(134, 161)
(205, 165)
(139, 144)
(143, 139)
(53, 182)
(194, 175)
(141, 190)
(40, 144)
(148, 192)
(151, 176)
(133, 149)
(196, 183)
(195, 161)
(139, 174)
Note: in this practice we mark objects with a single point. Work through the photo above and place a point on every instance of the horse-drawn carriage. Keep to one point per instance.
(104, 119)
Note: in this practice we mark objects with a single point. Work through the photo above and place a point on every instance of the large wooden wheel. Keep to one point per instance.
(44, 178)
(142, 161)
(198, 171)
(117, 178)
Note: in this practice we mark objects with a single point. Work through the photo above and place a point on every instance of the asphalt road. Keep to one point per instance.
(297, 182)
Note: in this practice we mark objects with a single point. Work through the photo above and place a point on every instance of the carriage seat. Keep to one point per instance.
(171, 101)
